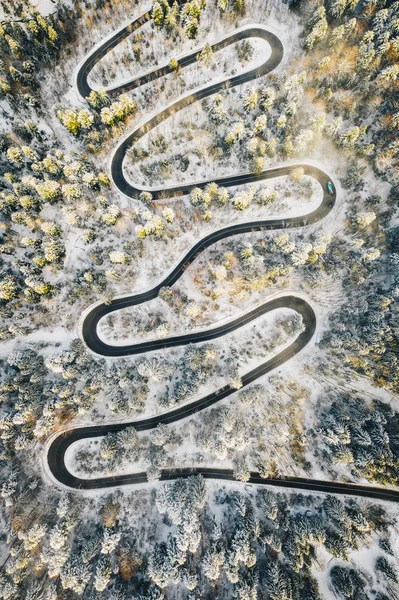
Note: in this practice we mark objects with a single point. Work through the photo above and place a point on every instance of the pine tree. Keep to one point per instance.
(243, 199)
(338, 7)
(319, 29)
(267, 97)
(251, 99)
(347, 582)
(8, 288)
(206, 56)
(160, 567)
(157, 14)
(366, 54)
(103, 573)
(236, 133)
(389, 74)
(217, 112)
(75, 575)
(385, 567)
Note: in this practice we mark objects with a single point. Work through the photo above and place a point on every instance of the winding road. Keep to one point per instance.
(61, 443)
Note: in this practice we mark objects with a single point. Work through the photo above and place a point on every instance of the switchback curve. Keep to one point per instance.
(59, 446)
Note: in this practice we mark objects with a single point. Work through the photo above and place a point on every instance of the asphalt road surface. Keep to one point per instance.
(59, 446)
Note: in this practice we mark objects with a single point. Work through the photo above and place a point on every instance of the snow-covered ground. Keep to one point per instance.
(269, 431)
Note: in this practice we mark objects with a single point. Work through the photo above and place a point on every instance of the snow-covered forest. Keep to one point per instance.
(71, 239)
